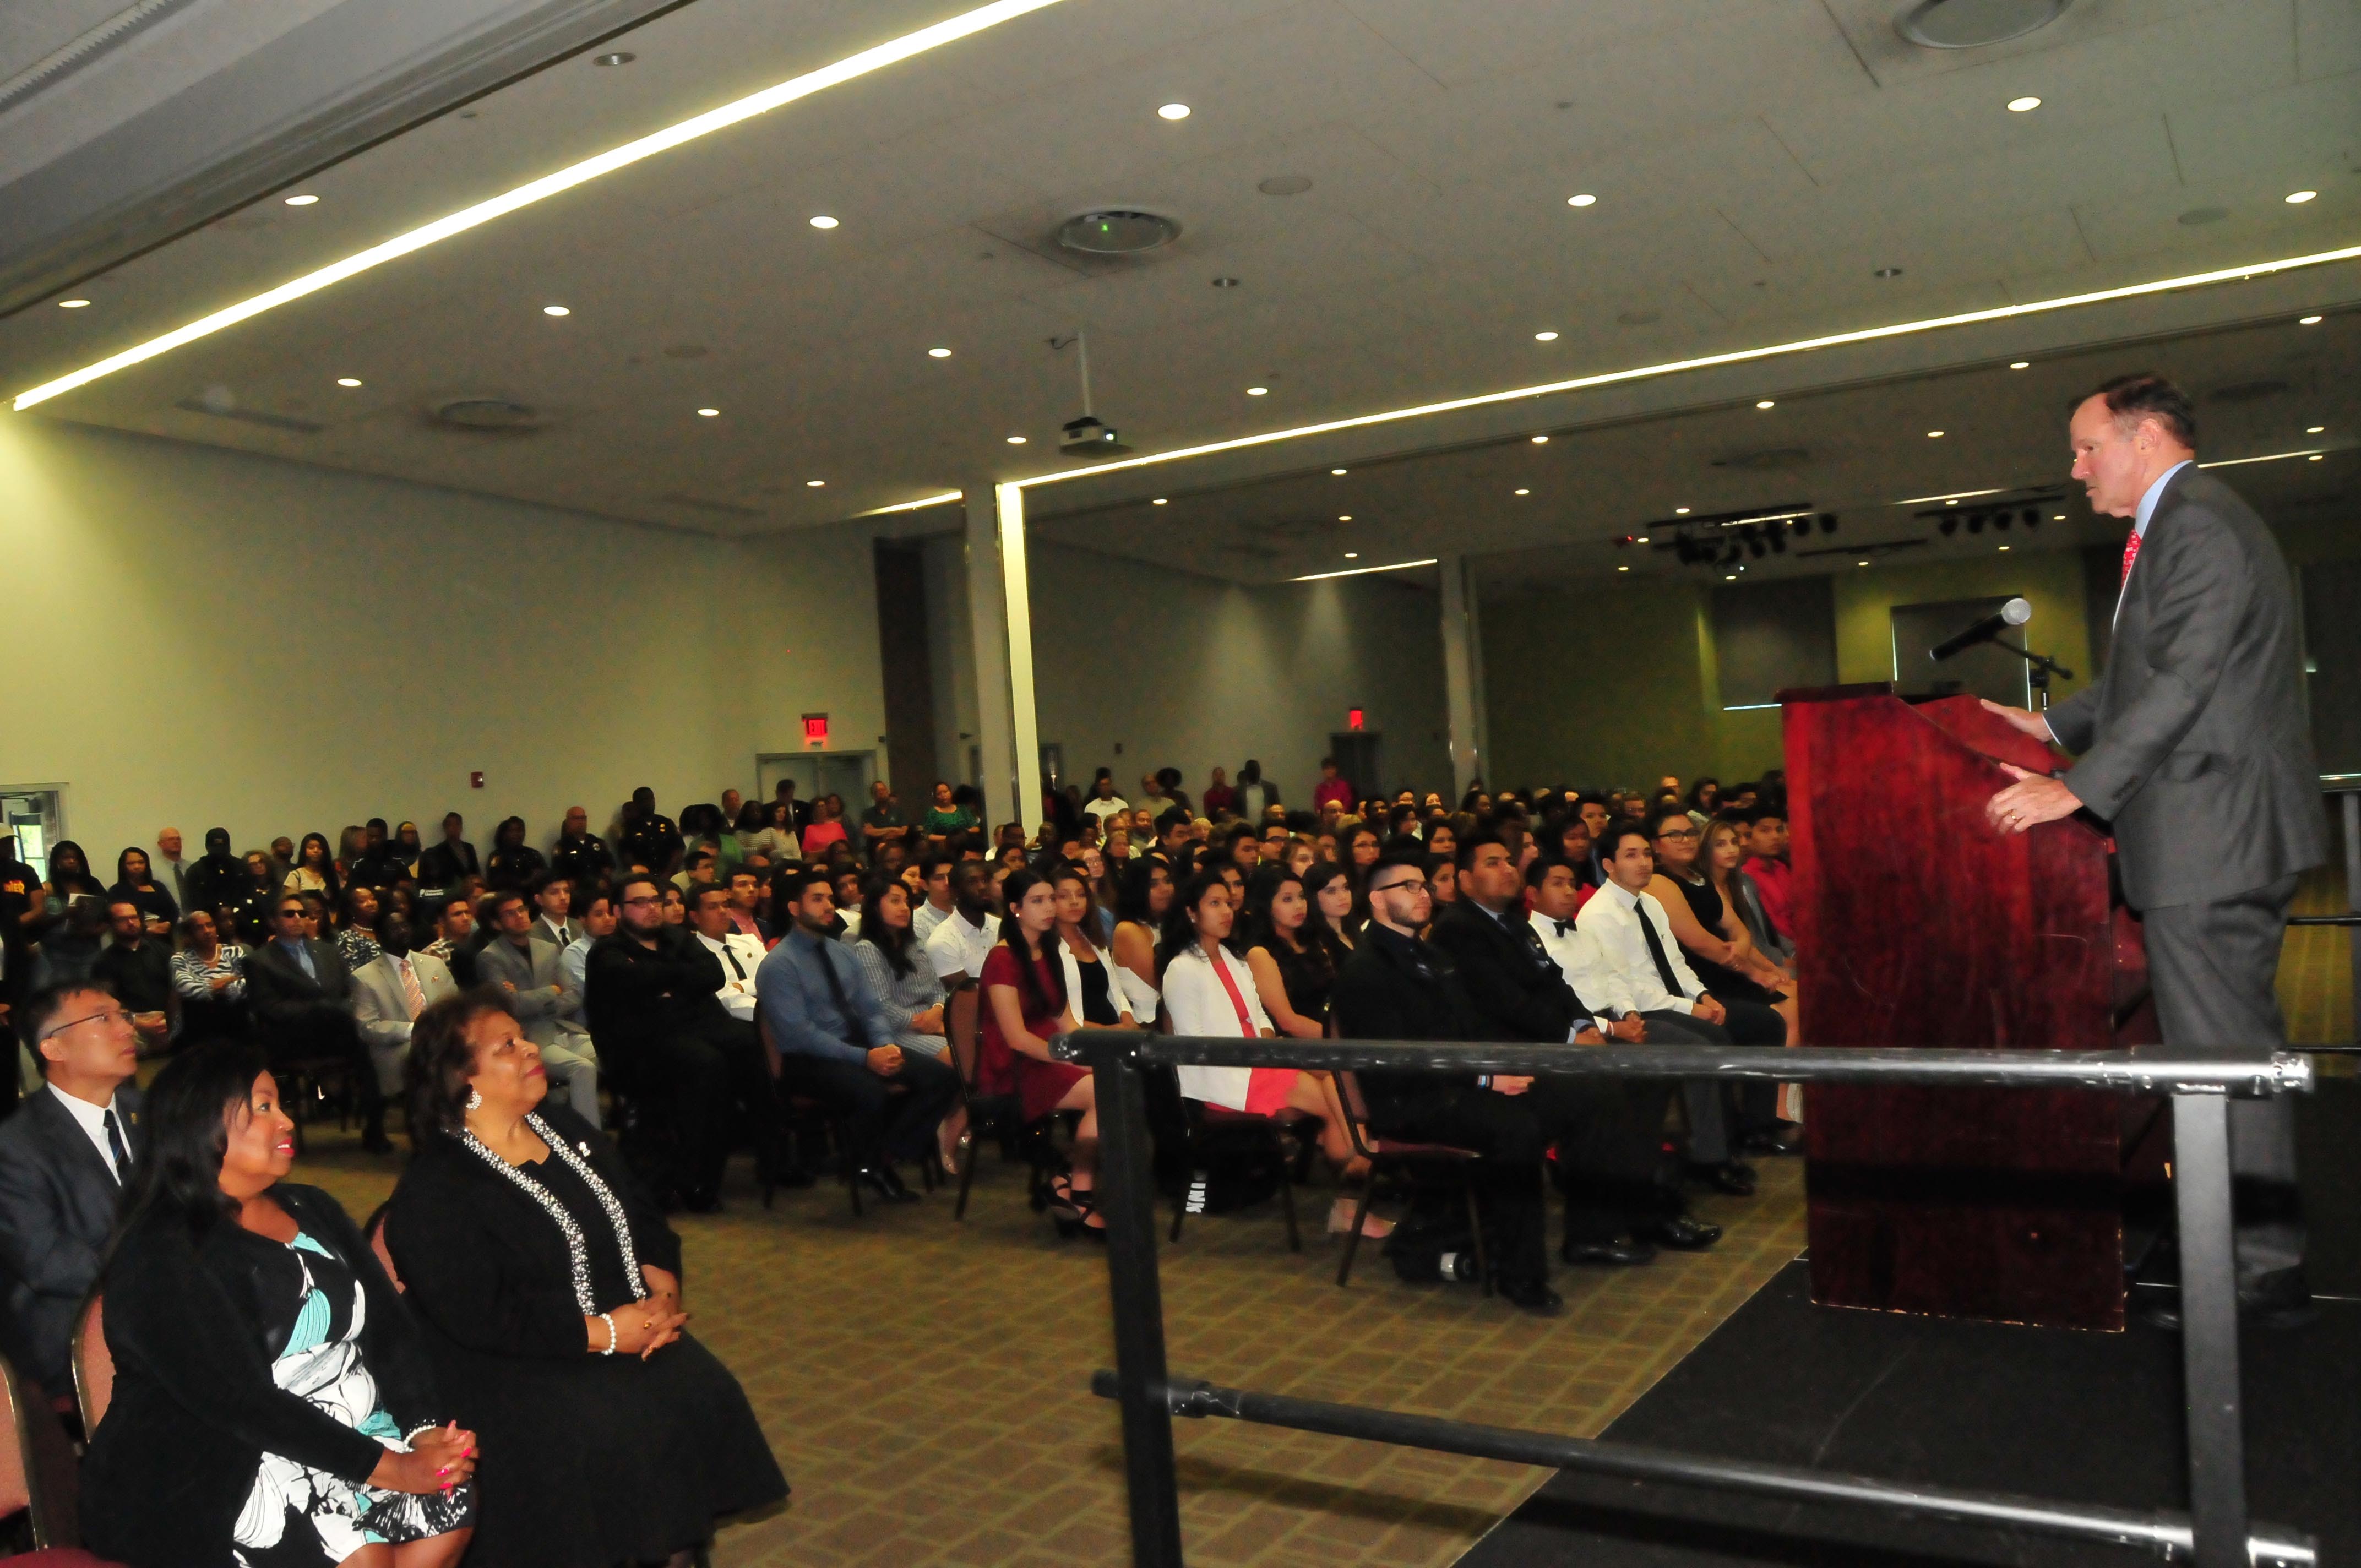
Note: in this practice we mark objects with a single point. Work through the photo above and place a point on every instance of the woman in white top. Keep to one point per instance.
(1209, 989)
(1094, 988)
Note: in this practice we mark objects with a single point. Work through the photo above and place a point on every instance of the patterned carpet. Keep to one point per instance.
(924, 1383)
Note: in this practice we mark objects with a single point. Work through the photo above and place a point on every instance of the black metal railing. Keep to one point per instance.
(2214, 1533)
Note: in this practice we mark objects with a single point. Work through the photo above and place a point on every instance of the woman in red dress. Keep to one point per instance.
(1024, 1007)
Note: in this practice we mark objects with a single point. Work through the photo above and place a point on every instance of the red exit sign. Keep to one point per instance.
(815, 729)
(1352, 718)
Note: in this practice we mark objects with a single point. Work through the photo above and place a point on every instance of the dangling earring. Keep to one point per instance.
(474, 1100)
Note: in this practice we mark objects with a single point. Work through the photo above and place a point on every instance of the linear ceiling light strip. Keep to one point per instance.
(1363, 571)
(769, 98)
(1709, 361)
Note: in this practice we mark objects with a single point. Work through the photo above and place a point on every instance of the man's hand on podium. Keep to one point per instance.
(2033, 798)
(2023, 720)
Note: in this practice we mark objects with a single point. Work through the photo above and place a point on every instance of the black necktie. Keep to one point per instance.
(731, 959)
(843, 1004)
(1656, 950)
(114, 1146)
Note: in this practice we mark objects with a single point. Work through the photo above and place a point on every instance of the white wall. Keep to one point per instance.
(203, 639)
(1192, 672)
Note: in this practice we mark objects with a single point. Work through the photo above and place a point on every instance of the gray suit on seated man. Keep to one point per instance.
(528, 969)
(388, 994)
(64, 1157)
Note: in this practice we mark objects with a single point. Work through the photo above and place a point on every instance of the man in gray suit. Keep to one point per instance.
(64, 1158)
(388, 994)
(2194, 746)
(524, 966)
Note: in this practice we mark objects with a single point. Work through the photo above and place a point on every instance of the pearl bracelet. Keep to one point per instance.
(610, 1334)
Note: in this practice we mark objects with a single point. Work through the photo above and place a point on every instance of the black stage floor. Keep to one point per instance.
(2052, 1413)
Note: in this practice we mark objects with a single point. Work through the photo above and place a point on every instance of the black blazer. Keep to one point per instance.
(632, 996)
(289, 1006)
(57, 1201)
(1518, 992)
(195, 1408)
(1393, 988)
(443, 864)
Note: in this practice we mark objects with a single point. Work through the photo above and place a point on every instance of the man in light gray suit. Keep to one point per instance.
(527, 968)
(2195, 747)
(388, 994)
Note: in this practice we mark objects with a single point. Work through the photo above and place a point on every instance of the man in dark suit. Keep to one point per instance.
(447, 863)
(1615, 1180)
(2199, 720)
(64, 1158)
(301, 997)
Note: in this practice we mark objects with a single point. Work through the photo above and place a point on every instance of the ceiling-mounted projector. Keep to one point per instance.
(1086, 437)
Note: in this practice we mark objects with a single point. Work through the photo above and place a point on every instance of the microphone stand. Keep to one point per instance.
(2039, 667)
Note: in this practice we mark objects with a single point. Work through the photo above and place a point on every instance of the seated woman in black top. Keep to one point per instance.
(273, 1401)
(1712, 937)
(549, 1286)
(136, 882)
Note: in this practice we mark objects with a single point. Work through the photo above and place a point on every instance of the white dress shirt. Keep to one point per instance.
(923, 918)
(558, 935)
(1576, 952)
(91, 1120)
(957, 947)
(1612, 918)
(737, 990)
(1112, 806)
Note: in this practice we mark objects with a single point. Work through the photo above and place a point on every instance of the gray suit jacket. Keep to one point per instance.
(2195, 744)
(383, 1012)
(57, 1206)
(539, 986)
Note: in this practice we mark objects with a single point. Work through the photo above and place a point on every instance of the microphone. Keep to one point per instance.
(2015, 613)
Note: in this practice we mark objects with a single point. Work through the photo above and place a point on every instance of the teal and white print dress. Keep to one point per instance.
(315, 1310)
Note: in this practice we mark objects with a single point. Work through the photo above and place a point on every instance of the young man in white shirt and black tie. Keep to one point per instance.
(741, 955)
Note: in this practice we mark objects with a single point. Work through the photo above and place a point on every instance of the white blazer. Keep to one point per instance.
(1196, 1004)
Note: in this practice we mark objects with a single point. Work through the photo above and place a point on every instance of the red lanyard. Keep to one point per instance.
(1246, 1019)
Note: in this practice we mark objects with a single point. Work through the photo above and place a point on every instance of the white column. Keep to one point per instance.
(1000, 613)
(1463, 672)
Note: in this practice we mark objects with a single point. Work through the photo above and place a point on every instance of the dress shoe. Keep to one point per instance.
(2281, 1299)
(1532, 1296)
(1679, 1232)
(1731, 1175)
(1786, 1138)
(882, 1180)
(1608, 1254)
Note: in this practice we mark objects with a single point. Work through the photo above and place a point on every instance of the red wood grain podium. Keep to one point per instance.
(1919, 925)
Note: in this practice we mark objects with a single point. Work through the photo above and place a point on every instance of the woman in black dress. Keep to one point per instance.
(550, 1291)
(273, 1401)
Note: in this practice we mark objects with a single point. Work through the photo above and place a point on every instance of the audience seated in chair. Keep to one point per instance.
(1713, 938)
(525, 965)
(1025, 1007)
(301, 997)
(388, 994)
(137, 967)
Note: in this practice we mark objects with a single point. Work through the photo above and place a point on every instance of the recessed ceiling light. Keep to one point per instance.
(1950, 503)
(2314, 457)
(2057, 517)
(1541, 441)
(1934, 435)
(1338, 472)
(2020, 364)
(1860, 562)
(708, 413)
(619, 57)
(1766, 403)
(1173, 111)
(1729, 576)
(1352, 554)
(1544, 337)
(555, 310)
(1157, 502)
(1344, 517)
(1524, 492)
(938, 354)
(1639, 539)
(1622, 568)
(305, 201)
(822, 221)
(74, 304)
(2019, 105)
(2313, 429)
(1680, 511)
(2298, 198)
(1015, 441)
(814, 484)
(2308, 321)
(1257, 392)
(349, 381)
(1582, 201)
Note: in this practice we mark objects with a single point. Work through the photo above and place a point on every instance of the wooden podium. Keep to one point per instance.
(1918, 925)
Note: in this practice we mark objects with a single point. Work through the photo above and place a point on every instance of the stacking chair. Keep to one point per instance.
(1000, 1115)
(36, 1465)
(1401, 1158)
(1212, 1129)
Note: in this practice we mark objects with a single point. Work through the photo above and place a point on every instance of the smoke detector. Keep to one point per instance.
(1117, 231)
(1974, 24)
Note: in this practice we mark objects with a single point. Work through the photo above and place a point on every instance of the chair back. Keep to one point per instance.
(37, 1464)
(962, 1028)
(94, 1364)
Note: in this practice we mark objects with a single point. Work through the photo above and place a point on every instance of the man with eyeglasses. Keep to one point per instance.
(65, 1157)
(1395, 987)
(301, 997)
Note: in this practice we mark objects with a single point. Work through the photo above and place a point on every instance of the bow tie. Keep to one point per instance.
(1562, 925)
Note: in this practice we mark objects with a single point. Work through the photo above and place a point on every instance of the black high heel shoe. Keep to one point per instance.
(1070, 1210)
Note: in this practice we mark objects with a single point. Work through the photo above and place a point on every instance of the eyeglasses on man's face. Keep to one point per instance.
(109, 1014)
(1679, 833)
(1409, 884)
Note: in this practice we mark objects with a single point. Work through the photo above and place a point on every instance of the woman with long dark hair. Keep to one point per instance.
(549, 1288)
(1098, 998)
(1336, 910)
(1026, 1006)
(1143, 897)
(273, 1401)
(895, 968)
(70, 876)
(314, 869)
(135, 883)
(513, 864)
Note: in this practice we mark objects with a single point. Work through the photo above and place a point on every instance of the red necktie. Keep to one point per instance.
(2131, 553)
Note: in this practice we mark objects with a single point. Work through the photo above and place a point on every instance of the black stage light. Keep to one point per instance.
(2002, 520)
(1949, 525)
(1757, 548)
(1827, 522)
(1729, 557)
(1799, 526)
(2032, 517)
(1778, 542)
(1975, 522)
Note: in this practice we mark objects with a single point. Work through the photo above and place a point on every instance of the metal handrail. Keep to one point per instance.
(2215, 1533)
